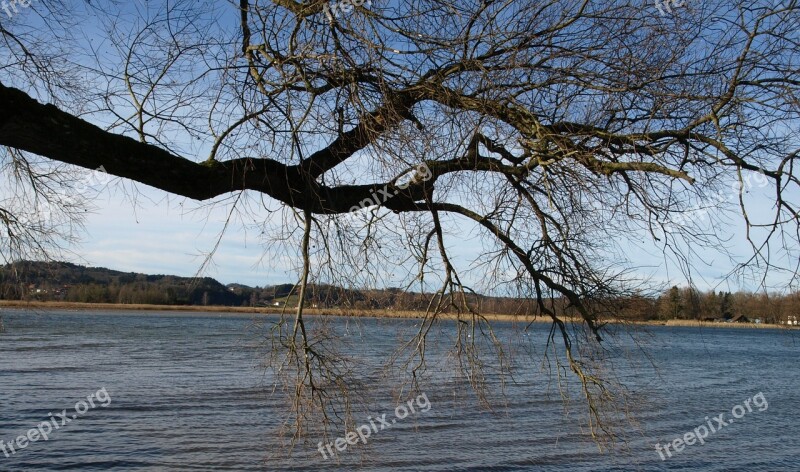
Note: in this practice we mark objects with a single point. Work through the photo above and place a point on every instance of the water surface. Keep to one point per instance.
(192, 393)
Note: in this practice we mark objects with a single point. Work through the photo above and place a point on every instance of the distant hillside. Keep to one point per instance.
(63, 281)
(71, 282)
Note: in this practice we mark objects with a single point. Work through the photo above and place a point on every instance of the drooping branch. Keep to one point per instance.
(574, 298)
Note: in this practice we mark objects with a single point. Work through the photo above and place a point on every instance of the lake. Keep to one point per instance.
(166, 391)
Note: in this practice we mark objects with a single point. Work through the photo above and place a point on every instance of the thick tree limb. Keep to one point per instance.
(24, 122)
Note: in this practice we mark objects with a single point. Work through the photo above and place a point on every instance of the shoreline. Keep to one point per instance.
(192, 310)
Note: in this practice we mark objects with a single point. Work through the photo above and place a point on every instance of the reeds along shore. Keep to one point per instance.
(380, 313)
(194, 310)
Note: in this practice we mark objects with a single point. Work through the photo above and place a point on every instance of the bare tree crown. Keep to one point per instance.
(558, 128)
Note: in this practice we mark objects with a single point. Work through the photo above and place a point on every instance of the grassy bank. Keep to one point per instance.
(194, 310)
(709, 324)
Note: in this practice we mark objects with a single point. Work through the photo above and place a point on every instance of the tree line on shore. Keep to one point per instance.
(75, 283)
(691, 304)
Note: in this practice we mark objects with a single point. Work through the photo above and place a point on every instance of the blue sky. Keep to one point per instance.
(162, 234)
(159, 236)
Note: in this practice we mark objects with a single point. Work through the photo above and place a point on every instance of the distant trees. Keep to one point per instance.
(672, 304)
(678, 303)
(74, 283)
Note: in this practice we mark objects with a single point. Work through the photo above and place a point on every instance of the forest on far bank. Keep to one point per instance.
(67, 282)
